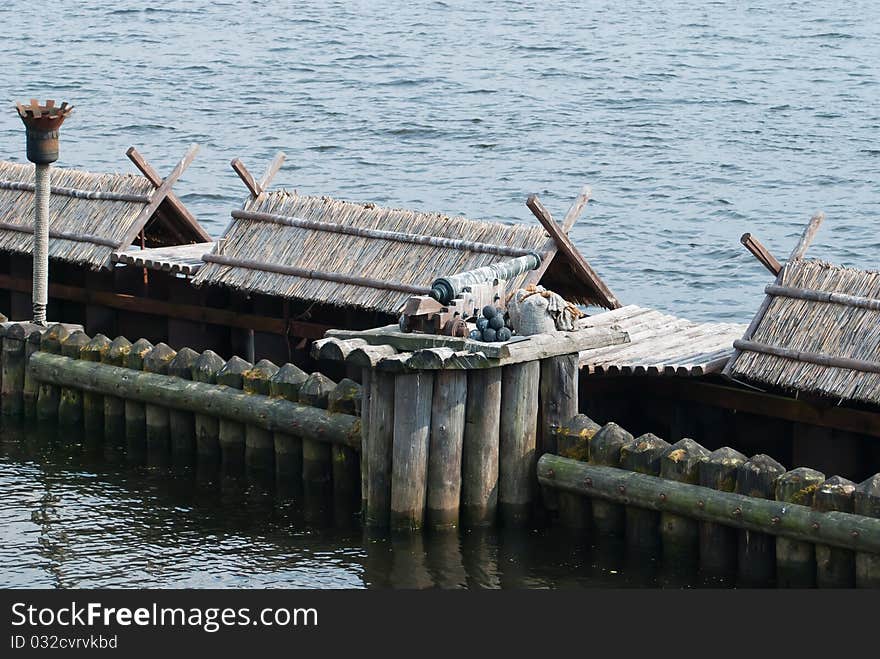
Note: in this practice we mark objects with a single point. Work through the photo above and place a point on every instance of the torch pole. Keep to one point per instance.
(42, 187)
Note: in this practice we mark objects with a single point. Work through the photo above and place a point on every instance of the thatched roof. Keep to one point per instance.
(91, 215)
(820, 333)
(339, 264)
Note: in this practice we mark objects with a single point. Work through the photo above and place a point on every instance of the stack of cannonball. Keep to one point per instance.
(491, 326)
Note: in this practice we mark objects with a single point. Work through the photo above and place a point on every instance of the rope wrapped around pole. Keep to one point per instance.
(42, 186)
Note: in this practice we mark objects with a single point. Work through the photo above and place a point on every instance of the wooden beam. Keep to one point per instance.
(246, 177)
(606, 297)
(151, 306)
(831, 361)
(807, 237)
(271, 170)
(761, 253)
(159, 195)
(153, 177)
(548, 251)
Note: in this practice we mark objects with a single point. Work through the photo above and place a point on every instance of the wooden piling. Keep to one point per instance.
(259, 445)
(70, 404)
(367, 392)
(114, 407)
(231, 433)
(136, 412)
(479, 461)
(866, 501)
(445, 448)
(93, 404)
(413, 394)
(48, 395)
(286, 384)
(609, 518)
(31, 388)
(642, 455)
(558, 397)
(378, 453)
(182, 425)
(317, 462)
(796, 561)
(680, 535)
(718, 543)
(573, 441)
(518, 441)
(12, 372)
(756, 552)
(346, 398)
(835, 567)
(207, 428)
(158, 418)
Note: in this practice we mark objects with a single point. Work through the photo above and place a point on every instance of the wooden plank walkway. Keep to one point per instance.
(182, 259)
(660, 344)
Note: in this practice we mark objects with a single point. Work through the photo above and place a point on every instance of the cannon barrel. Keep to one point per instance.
(445, 289)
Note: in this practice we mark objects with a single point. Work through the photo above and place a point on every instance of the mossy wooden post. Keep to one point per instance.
(31, 388)
(718, 542)
(346, 398)
(559, 396)
(207, 428)
(158, 418)
(866, 501)
(286, 384)
(366, 392)
(231, 433)
(136, 412)
(479, 460)
(609, 518)
(573, 441)
(12, 372)
(114, 407)
(259, 445)
(70, 405)
(795, 560)
(93, 404)
(642, 456)
(835, 567)
(680, 535)
(378, 455)
(182, 425)
(518, 441)
(445, 448)
(317, 461)
(413, 394)
(756, 552)
(48, 395)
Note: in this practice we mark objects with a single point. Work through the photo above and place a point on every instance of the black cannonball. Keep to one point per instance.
(482, 324)
(489, 335)
(496, 322)
(489, 311)
(476, 335)
(504, 334)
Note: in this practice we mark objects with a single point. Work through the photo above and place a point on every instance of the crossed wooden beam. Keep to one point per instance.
(256, 188)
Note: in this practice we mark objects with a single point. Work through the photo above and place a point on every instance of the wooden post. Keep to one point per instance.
(317, 465)
(367, 392)
(866, 501)
(718, 543)
(609, 518)
(559, 397)
(207, 428)
(31, 386)
(479, 462)
(573, 441)
(12, 373)
(70, 405)
(642, 455)
(157, 418)
(835, 567)
(231, 433)
(182, 425)
(48, 395)
(379, 444)
(796, 561)
(259, 451)
(286, 384)
(756, 555)
(413, 393)
(345, 398)
(114, 407)
(93, 404)
(518, 441)
(680, 535)
(136, 412)
(445, 448)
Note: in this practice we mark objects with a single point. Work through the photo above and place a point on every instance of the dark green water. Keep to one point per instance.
(81, 514)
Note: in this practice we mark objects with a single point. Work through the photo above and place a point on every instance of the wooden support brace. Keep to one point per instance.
(548, 251)
(761, 253)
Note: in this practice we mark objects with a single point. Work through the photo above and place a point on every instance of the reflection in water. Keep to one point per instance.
(84, 514)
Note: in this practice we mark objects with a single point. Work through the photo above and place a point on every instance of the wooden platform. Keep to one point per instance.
(660, 344)
(182, 259)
